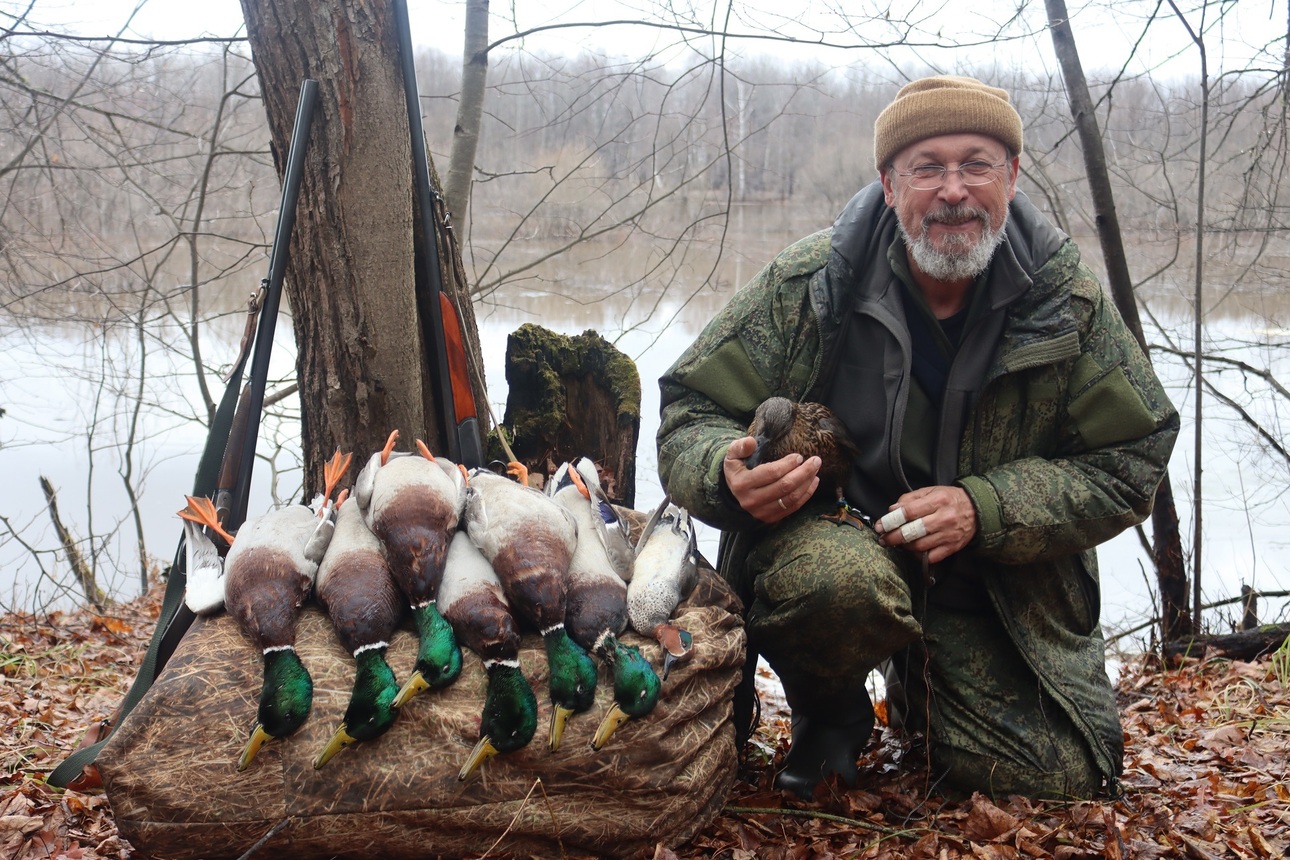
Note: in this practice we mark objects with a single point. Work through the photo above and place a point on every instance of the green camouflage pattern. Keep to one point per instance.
(1067, 443)
(827, 602)
(991, 726)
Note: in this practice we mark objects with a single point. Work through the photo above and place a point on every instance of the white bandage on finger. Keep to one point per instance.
(893, 520)
(912, 531)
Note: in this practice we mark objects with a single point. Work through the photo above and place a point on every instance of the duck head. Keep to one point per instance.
(285, 700)
(771, 422)
(572, 683)
(636, 690)
(438, 656)
(509, 719)
(371, 709)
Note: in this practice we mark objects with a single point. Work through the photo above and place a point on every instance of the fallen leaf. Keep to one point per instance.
(24, 824)
(987, 822)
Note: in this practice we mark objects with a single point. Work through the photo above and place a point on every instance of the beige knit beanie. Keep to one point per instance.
(944, 104)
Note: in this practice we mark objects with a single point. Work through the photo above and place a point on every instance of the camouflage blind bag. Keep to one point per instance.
(170, 770)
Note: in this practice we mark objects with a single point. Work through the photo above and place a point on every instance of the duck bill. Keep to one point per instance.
(338, 742)
(259, 737)
(559, 719)
(414, 685)
(483, 751)
(610, 724)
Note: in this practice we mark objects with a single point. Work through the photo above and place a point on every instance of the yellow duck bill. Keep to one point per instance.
(613, 720)
(259, 737)
(559, 719)
(338, 742)
(483, 751)
(414, 685)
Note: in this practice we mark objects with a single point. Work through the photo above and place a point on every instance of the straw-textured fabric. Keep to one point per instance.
(944, 104)
(170, 770)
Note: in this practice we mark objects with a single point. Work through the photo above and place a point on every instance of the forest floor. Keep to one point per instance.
(1207, 767)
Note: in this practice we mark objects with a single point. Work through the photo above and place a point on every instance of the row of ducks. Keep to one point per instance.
(474, 555)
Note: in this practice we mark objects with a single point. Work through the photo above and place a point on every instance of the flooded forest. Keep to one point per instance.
(629, 194)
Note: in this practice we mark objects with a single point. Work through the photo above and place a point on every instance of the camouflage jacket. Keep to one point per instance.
(1062, 447)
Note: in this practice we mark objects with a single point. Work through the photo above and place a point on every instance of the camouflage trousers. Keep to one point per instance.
(827, 604)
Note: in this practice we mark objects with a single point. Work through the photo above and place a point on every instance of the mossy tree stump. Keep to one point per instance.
(570, 397)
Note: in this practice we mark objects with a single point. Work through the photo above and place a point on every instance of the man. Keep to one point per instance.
(1007, 423)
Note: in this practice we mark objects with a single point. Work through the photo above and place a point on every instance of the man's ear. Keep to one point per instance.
(1014, 171)
(889, 194)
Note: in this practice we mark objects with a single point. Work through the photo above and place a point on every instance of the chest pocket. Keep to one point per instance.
(1018, 416)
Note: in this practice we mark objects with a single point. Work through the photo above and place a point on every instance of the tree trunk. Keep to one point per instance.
(1172, 577)
(470, 110)
(570, 397)
(1242, 645)
(350, 280)
(84, 575)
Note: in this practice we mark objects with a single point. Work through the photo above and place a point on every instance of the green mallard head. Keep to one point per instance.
(285, 700)
(509, 718)
(438, 656)
(636, 689)
(371, 709)
(572, 681)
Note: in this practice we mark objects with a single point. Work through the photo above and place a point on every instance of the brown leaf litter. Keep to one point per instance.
(1207, 768)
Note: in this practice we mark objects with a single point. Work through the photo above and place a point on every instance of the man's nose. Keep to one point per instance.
(953, 189)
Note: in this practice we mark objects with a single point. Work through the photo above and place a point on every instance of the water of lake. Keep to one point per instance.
(50, 391)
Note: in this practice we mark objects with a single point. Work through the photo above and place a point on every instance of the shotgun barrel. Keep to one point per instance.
(454, 396)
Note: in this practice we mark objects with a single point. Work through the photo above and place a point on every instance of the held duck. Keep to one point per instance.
(596, 603)
(264, 580)
(412, 505)
(529, 540)
(666, 571)
(472, 599)
(358, 591)
(782, 427)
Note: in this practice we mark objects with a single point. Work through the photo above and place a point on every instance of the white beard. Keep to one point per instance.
(963, 258)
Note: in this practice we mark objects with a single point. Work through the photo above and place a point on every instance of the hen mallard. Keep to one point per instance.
(596, 607)
(529, 540)
(665, 572)
(782, 426)
(472, 599)
(358, 591)
(412, 505)
(263, 581)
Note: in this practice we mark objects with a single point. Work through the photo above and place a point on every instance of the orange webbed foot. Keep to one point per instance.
(201, 510)
(578, 482)
(518, 471)
(335, 470)
(389, 446)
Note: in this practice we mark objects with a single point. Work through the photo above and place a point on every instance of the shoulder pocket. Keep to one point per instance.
(1106, 408)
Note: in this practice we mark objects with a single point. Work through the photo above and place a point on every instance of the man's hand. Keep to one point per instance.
(939, 521)
(771, 491)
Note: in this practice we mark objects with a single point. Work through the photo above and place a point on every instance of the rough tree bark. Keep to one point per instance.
(350, 281)
(1170, 573)
(569, 397)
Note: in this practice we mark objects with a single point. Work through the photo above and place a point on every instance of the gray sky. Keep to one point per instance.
(1103, 43)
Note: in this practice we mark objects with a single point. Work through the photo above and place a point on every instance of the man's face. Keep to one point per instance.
(952, 230)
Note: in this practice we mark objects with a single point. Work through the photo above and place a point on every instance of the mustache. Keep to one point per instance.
(956, 213)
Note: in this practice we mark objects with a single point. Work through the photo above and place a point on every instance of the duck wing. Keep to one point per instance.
(610, 528)
(204, 588)
(355, 585)
(528, 539)
(472, 599)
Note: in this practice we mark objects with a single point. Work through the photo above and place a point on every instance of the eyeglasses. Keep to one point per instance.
(929, 177)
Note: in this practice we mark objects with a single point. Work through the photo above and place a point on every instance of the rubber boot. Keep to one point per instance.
(828, 737)
(746, 710)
